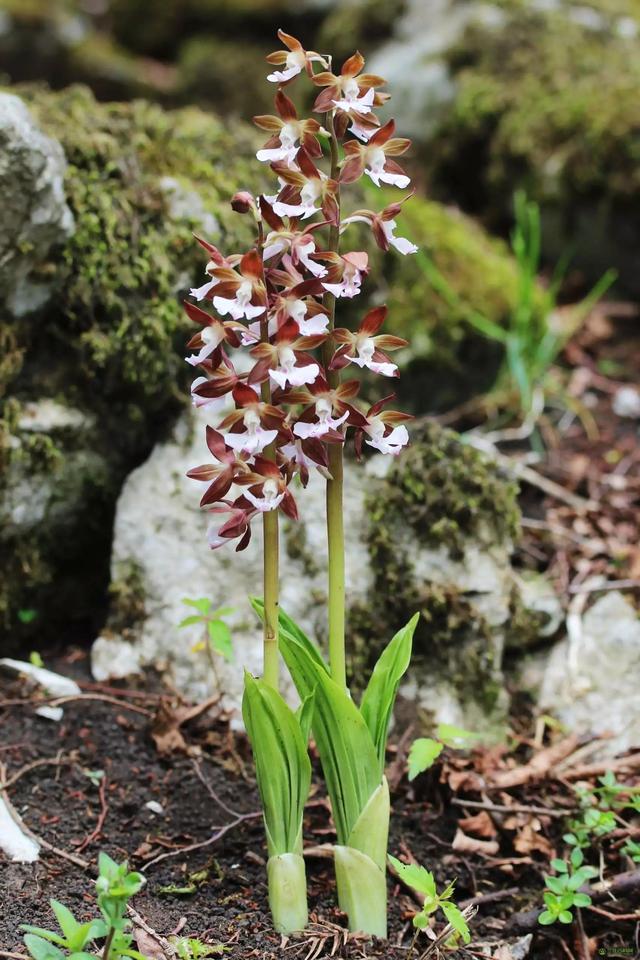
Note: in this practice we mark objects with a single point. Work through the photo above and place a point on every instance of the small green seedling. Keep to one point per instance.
(423, 882)
(190, 948)
(562, 894)
(114, 888)
(217, 635)
(425, 751)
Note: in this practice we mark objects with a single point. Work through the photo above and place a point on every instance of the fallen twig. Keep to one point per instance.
(514, 808)
(46, 761)
(102, 816)
(203, 843)
(538, 767)
(490, 897)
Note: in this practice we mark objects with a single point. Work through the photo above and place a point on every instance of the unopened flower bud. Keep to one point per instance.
(242, 202)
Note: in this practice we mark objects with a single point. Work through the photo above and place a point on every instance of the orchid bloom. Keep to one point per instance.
(344, 278)
(237, 527)
(306, 191)
(254, 425)
(383, 226)
(216, 260)
(327, 409)
(373, 158)
(299, 244)
(287, 132)
(295, 59)
(285, 361)
(247, 287)
(220, 476)
(211, 391)
(295, 304)
(267, 489)
(352, 95)
(212, 335)
(363, 346)
(385, 429)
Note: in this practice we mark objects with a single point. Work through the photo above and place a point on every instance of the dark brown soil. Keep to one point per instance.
(60, 803)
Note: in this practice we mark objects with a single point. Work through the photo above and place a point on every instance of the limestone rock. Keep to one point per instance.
(35, 215)
(590, 680)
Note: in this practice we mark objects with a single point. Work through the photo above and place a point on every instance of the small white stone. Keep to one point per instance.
(626, 402)
(155, 807)
(54, 683)
(16, 845)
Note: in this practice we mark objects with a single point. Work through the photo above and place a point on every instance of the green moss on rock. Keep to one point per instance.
(440, 495)
(549, 102)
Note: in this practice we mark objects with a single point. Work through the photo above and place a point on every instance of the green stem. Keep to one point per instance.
(335, 523)
(270, 555)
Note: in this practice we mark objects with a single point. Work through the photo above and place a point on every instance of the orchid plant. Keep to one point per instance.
(286, 411)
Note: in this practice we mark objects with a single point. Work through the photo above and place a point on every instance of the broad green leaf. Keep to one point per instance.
(577, 857)
(283, 768)
(289, 626)
(41, 949)
(220, 637)
(304, 716)
(565, 917)
(202, 604)
(189, 621)
(348, 755)
(370, 834)
(422, 755)
(362, 891)
(421, 920)
(546, 918)
(45, 934)
(67, 923)
(556, 884)
(581, 900)
(455, 736)
(221, 612)
(457, 921)
(415, 876)
(379, 697)
(559, 866)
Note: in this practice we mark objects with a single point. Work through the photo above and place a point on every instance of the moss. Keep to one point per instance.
(443, 494)
(111, 342)
(549, 104)
(128, 603)
(361, 25)
(207, 63)
(459, 268)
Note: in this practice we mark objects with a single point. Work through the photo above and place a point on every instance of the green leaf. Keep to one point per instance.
(581, 899)
(347, 751)
(45, 934)
(566, 917)
(422, 755)
(291, 628)
(283, 768)
(559, 866)
(415, 876)
(546, 918)
(556, 884)
(421, 921)
(456, 919)
(68, 924)
(41, 949)
(304, 716)
(203, 604)
(379, 697)
(577, 857)
(189, 621)
(455, 736)
(221, 612)
(220, 637)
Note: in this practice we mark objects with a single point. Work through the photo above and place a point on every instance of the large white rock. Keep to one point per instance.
(591, 679)
(160, 533)
(35, 215)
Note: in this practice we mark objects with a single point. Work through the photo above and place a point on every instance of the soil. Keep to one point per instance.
(210, 785)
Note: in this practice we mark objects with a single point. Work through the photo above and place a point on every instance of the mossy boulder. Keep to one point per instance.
(441, 528)
(546, 99)
(138, 182)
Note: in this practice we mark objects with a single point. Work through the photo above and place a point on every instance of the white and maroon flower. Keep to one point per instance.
(236, 527)
(287, 133)
(241, 293)
(326, 410)
(254, 424)
(266, 489)
(345, 274)
(373, 158)
(352, 95)
(383, 226)
(306, 191)
(298, 244)
(220, 475)
(216, 260)
(364, 346)
(211, 391)
(285, 361)
(214, 333)
(323, 424)
(385, 429)
(294, 59)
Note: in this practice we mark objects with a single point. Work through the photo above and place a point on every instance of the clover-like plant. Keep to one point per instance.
(285, 411)
(562, 891)
(114, 888)
(423, 882)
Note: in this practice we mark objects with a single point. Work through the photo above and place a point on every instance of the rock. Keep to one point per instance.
(590, 680)
(626, 402)
(35, 215)
(450, 559)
